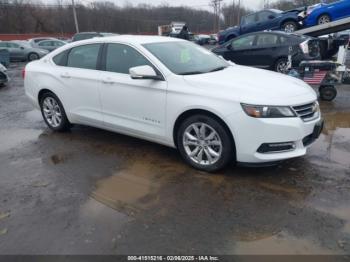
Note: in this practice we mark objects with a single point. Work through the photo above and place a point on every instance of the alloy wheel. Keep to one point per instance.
(289, 28)
(202, 144)
(282, 67)
(324, 20)
(52, 112)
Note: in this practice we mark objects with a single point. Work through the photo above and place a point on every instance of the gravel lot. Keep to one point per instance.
(90, 191)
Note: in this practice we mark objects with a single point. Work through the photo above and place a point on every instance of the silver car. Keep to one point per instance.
(50, 45)
(22, 50)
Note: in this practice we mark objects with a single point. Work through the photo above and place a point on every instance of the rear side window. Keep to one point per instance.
(119, 58)
(61, 58)
(243, 42)
(3, 45)
(84, 56)
(267, 40)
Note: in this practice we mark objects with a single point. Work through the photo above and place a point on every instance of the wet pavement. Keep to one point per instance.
(90, 191)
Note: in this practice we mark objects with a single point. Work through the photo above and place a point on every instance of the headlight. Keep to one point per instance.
(268, 111)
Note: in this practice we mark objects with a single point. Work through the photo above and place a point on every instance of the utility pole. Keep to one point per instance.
(75, 17)
(217, 11)
(239, 12)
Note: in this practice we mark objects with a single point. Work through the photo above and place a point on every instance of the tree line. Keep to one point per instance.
(27, 16)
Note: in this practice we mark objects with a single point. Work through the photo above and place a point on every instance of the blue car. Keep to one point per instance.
(325, 13)
(268, 19)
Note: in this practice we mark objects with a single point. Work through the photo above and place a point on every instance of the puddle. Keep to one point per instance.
(280, 244)
(334, 142)
(12, 138)
(34, 116)
(341, 212)
(130, 189)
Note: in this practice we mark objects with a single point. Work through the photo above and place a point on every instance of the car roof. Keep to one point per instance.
(133, 39)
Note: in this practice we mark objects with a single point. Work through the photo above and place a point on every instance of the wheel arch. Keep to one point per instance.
(190, 112)
(323, 13)
(288, 19)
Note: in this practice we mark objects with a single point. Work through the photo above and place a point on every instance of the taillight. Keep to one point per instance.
(23, 72)
(305, 47)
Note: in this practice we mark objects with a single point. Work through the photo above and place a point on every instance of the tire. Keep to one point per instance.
(53, 112)
(281, 65)
(323, 19)
(33, 56)
(289, 26)
(327, 93)
(211, 154)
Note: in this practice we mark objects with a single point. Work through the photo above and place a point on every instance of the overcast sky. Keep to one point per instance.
(200, 4)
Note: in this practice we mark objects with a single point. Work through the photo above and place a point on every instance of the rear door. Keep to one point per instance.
(340, 9)
(16, 52)
(241, 50)
(266, 49)
(80, 81)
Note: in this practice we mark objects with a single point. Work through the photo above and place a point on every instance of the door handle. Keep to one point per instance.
(65, 75)
(107, 81)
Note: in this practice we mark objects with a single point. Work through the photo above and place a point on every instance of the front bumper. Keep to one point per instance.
(250, 133)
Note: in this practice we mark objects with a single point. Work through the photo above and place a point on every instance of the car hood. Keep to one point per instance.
(250, 85)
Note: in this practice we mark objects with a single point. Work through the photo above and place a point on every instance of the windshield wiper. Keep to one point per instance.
(191, 73)
(218, 69)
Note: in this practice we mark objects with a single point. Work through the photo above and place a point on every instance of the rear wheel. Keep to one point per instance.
(327, 93)
(53, 112)
(204, 143)
(289, 26)
(323, 19)
(281, 65)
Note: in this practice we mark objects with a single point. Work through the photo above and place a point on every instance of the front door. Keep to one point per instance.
(136, 106)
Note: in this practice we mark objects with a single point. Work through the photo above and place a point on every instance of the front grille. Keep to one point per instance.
(307, 112)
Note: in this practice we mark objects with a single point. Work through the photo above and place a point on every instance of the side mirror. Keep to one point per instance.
(22, 47)
(144, 72)
(271, 17)
(229, 47)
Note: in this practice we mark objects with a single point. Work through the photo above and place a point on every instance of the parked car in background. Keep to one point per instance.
(202, 39)
(50, 45)
(3, 75)
(325, 13)
(34, 41)
(213, 39)
(176, 93)
(269, 19)
(88, 35)
(269, 50)
(22, 50)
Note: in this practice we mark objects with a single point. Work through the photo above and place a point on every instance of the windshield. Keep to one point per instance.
(186, 58)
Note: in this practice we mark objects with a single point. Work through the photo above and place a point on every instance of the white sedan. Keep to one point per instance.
(176, 93)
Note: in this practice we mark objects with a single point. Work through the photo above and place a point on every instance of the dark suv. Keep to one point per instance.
(269, 19)
(269, 50)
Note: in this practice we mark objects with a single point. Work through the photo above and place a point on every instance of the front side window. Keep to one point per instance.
(84, 56)
(120, 58)
(243, 42)
(185, 58)
(249, 19)
(264, 16)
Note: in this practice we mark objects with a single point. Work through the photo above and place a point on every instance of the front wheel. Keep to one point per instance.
(53, 112)
(205, 143)
(323, 19)
(289, 26)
